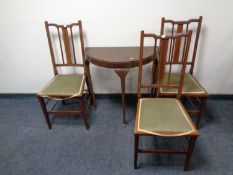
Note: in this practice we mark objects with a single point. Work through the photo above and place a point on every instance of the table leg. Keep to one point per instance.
(122, 74)
(89, 84)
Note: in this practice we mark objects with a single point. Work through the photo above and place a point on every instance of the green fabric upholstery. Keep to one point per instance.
(65, 85)
(190, 84)
(163, 115)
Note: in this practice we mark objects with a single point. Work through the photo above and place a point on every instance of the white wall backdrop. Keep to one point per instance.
(25, 64)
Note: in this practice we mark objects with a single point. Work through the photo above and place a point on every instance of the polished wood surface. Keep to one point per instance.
(117, 57)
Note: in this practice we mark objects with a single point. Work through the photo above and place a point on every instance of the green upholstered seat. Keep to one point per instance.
(163, 117)
(190, 85)
(64, 85)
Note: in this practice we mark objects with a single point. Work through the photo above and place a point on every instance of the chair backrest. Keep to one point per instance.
(172, 27)
(63, 45)
(166, 61)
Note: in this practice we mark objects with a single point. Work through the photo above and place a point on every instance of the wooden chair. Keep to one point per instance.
(64, 41)
(164, 117)
(192, 89)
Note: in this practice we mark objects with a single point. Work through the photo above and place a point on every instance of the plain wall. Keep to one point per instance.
(25, 63)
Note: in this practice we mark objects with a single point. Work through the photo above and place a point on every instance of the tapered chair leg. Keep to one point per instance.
(89, 84)
(83, 114)
(191, 146)
(44, 109)
(90, 93)
(200, 113)
(136, 142)
(153, 77)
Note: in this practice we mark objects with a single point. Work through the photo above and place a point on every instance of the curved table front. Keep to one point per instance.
(119, 58)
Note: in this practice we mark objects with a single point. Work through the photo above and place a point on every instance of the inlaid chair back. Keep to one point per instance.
(166, 61)
(63, 45)
(174, 27)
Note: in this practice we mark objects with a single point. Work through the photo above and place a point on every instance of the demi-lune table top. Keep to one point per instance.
(118, 57)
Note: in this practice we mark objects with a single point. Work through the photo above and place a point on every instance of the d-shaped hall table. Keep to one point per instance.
(121, 59)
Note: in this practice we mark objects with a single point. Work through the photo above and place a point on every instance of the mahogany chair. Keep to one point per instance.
(192, 89)
(164, 117)
(64, 41)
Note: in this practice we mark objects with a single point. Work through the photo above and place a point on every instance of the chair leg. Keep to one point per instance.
(90, 93)
(43, 106)
(153, 77)
(191, 146)
(83, 113)
(63, 102)
(202, 107)
(136, 142)
(89, 84)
